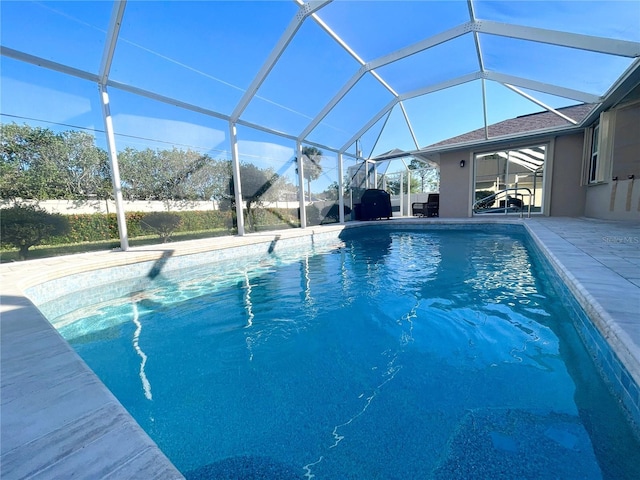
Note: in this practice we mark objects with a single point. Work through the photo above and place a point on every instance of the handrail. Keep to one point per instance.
(493, 196)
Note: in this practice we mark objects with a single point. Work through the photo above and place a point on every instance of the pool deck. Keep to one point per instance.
(59, 421)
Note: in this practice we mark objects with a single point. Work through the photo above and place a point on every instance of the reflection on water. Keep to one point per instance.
(404, 355)
(146, 386)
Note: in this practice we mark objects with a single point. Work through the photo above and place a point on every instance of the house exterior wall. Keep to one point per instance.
(620, 199)
(455, 184)
(567, 194)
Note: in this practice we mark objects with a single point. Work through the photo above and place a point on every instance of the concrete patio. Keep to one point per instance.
(59, 421)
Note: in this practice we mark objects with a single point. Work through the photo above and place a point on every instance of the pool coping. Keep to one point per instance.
(71, 424)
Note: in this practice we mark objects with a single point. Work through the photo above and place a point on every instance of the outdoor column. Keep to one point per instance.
(303, 210)
(115, 169)
(401, 182)
(237, 184)
(340, 189)
(408, 191)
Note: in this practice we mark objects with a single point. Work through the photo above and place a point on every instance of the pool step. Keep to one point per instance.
(512, 443)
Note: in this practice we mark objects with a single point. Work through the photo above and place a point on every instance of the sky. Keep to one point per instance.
(207, 53)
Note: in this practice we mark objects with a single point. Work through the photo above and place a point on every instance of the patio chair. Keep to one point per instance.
(419, 209)
(433, 205)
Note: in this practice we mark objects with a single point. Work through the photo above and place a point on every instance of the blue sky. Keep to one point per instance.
(207, 53)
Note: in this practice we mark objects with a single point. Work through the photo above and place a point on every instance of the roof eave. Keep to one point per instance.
(521, 138)
(618, 91)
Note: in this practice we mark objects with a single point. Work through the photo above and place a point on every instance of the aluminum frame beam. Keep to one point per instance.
(610, 46)
(541, 104)
(304, 11)
(554, 37)
(370, 124)
(48, 64)
(380, 62)
(117, 13)
(112, 39)
(543, 87)
(406, 119)
(415, 93)
(384, 125)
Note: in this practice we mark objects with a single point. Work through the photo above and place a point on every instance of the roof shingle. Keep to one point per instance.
(522, 124)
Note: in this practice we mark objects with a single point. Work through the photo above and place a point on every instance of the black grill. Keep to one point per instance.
(375, 204)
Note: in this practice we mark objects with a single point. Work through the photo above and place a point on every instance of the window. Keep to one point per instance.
(599, 149)
(593, 160)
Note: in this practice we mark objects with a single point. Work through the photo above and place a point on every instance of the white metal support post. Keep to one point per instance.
(115, 170)
(401, 182)
(117, 13)
(402, 212)
(237, 184)
(340, 188)
(303, 210)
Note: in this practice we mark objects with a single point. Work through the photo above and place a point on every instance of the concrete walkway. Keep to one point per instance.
(59, 421)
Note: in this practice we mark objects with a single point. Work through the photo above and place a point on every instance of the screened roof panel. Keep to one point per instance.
(205, 90)
(396, 134)
(446, 113)
(369, 138)
(503, 103)
(55, 100)
(586, 71)
(376, 28)
(356, 108)
(552, 101)
(612, 19)
(202, 52)
(429, 68)
(71, 33)
(307, 75)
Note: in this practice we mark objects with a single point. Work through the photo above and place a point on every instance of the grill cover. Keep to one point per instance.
(375, 204)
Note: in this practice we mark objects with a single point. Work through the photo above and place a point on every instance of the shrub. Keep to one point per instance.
(162, 223)
(24, 226)
(332, 214)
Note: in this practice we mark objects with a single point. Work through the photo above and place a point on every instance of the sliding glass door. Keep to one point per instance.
(510, 181)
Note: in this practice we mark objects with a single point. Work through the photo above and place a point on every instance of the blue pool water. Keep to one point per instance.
(400, 355)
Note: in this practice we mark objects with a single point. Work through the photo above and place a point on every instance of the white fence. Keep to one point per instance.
(71, 207)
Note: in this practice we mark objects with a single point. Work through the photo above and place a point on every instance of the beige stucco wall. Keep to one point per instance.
(455, 185)
(620, 199)
(563, 185)
(567, 195)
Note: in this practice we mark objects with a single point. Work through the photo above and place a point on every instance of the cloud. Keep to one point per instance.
(264, 153)
(42, 103)
(179, 133)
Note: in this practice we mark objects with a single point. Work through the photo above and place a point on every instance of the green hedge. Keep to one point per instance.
(98, 226)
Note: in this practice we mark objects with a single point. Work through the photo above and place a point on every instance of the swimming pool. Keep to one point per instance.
(401, 355)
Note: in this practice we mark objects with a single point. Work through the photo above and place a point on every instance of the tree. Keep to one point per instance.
(429, 176)
(393, 186)
(24, 226)
(257, 186)
(84, 167)
(331, 192)
(167, 174)
(139, 172)
(311, 168)
(36, 163)
(28, 169)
